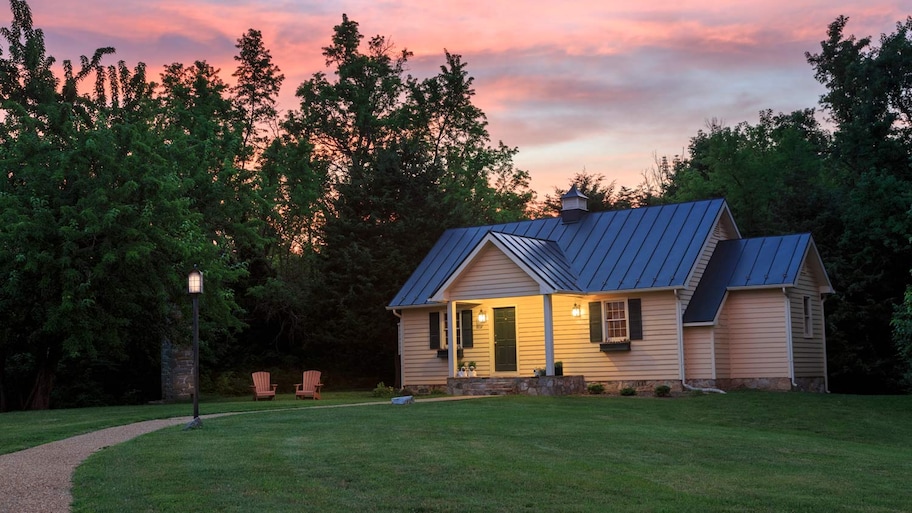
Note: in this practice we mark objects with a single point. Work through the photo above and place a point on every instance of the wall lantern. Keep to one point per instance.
(575, 311)
(482, 317)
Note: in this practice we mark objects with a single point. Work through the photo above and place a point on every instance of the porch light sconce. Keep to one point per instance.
(576, 312)
(482, 317)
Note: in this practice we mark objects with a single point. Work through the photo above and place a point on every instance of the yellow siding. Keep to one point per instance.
(808, 351)
(493, 275)
(756, 334)
(420, 365)
(653, 358)
(698, 352)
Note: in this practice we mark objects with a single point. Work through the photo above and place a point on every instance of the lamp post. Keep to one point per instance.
(195, 288)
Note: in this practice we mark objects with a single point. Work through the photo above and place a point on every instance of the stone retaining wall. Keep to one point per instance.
(548, 385)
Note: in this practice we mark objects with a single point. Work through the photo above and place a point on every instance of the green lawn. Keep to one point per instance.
(23, 429)
(747, 451)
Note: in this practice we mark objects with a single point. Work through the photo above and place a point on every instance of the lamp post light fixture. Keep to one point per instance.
(195, 288)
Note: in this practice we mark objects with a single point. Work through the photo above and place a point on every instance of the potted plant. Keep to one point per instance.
(472, 372)
(558, 368)
(461, 372)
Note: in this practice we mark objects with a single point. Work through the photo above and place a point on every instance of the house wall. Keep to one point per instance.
(698, 352)
(809, 355)
(653, 358)
(493, 275)
(420, 365)
(756, 333)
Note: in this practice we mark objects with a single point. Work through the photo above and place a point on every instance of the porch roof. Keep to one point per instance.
(636, 249)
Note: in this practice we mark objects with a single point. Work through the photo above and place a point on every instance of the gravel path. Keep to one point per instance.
(38, 480)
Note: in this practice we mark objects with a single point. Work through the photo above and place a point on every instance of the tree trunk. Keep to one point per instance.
(3, 405)
(40, 396)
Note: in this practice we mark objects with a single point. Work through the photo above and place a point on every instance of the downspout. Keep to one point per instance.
(789, 341)
(826, 370)
(399, 342)
(680, 321)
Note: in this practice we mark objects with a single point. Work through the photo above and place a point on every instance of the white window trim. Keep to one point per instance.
(807, 310)
(605, 320)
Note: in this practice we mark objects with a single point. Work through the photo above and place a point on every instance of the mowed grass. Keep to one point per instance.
(23, 429)
(734, 453)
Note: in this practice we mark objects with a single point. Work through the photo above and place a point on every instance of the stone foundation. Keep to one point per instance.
(642, 387)
(548, 385)
(773, 384)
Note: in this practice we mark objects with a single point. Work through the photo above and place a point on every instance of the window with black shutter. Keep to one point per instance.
(434, 326)
(616, 320)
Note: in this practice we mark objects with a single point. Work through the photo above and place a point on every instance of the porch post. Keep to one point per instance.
(549, 335)
(451, 337)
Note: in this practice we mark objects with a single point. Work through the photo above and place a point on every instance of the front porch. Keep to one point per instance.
(545, 385)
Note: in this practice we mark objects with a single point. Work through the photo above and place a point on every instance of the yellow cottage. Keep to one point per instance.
(663, 295)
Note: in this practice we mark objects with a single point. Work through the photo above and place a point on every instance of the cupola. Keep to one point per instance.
(574, 205)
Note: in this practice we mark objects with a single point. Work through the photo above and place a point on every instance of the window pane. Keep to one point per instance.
(616, 319)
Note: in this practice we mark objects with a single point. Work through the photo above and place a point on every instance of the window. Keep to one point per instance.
(439, 329)
(615, 320)
(808, 317)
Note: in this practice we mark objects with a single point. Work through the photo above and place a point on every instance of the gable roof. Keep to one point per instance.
(763, 262)
(541, 259)
(637, 249)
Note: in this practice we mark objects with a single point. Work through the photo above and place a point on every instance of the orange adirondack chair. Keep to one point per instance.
(262, 387)
(310, 387)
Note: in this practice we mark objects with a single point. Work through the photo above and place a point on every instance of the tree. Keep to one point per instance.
(258, 85)
(601, 196)
(406, 158)
(869, 97)
(96, 232)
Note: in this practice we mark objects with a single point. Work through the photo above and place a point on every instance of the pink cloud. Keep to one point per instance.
(576, 83)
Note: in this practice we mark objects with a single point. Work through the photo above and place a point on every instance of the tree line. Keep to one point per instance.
(306, 222)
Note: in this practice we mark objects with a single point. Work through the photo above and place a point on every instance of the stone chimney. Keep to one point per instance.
(574, 205)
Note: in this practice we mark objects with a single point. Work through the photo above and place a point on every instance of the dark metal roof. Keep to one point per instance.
(637, 249)
(543, 258)
(742, 263)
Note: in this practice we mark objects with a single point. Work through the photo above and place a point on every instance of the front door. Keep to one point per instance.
(505, 339)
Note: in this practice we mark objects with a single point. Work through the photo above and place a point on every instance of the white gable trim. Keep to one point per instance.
(441, 294)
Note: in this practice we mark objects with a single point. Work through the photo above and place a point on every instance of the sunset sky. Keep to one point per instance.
(597, 85)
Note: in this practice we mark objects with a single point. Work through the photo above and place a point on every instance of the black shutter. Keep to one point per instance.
(435, 329)
(595, 322)
(635, 315)
(466, 321)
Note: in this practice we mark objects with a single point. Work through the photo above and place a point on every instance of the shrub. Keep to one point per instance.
(405, 391)
(663, 391)
(628, 391)
(595, 388)
(383, 391)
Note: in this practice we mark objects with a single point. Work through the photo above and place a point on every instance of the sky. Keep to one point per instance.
(603, 86)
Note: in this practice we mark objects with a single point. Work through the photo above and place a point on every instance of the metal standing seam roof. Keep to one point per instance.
(743, 263)
(637, 249)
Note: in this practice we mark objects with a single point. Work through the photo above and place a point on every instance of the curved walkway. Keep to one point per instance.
(39, 479)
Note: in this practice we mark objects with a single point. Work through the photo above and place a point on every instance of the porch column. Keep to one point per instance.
(451, 337)
(549, 335)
